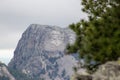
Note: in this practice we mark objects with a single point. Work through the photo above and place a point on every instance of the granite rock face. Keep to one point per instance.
(40, 53)
(108, 71)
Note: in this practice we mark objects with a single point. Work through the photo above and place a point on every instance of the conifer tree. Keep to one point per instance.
(98, 38)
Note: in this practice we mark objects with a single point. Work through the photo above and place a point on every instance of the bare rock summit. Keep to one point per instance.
(40, 53)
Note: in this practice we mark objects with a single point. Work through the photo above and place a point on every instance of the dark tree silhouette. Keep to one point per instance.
(98, 38)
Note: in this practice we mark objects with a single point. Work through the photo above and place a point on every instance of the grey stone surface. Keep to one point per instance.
(4, 72)
(40, 53)
(108, 71)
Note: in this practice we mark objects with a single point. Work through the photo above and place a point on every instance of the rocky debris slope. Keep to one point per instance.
(108, 71)
(4, 73)
(40, 53)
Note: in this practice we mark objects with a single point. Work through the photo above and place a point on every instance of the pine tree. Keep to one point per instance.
(98, 38)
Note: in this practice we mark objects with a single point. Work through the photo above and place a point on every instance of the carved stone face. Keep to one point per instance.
(55, 41)
(56, 38)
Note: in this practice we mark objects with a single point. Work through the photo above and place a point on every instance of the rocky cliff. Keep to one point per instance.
(40, 53)
(4, 73)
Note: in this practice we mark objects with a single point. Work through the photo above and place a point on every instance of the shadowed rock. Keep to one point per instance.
(4, 73)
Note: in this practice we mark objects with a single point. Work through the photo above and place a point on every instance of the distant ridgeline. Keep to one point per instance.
(11, 74)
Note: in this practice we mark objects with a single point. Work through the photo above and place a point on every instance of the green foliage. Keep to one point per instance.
(98, 38)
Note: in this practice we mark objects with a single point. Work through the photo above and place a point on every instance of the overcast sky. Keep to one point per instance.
(17, 15)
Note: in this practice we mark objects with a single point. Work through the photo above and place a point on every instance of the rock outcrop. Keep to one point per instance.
(4, 73)
(40, 53)
(107, 71)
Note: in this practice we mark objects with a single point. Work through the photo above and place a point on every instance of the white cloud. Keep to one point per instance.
(40, 7)
(53, 12)
(6, 55)
(9, 39)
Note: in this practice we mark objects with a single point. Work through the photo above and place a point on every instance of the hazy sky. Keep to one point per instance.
(17, 15)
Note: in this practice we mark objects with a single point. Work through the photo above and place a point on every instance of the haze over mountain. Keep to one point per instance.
(6, 55)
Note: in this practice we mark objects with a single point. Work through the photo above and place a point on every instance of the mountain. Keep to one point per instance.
(7, 73)
(40, 53)
(4, 73)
